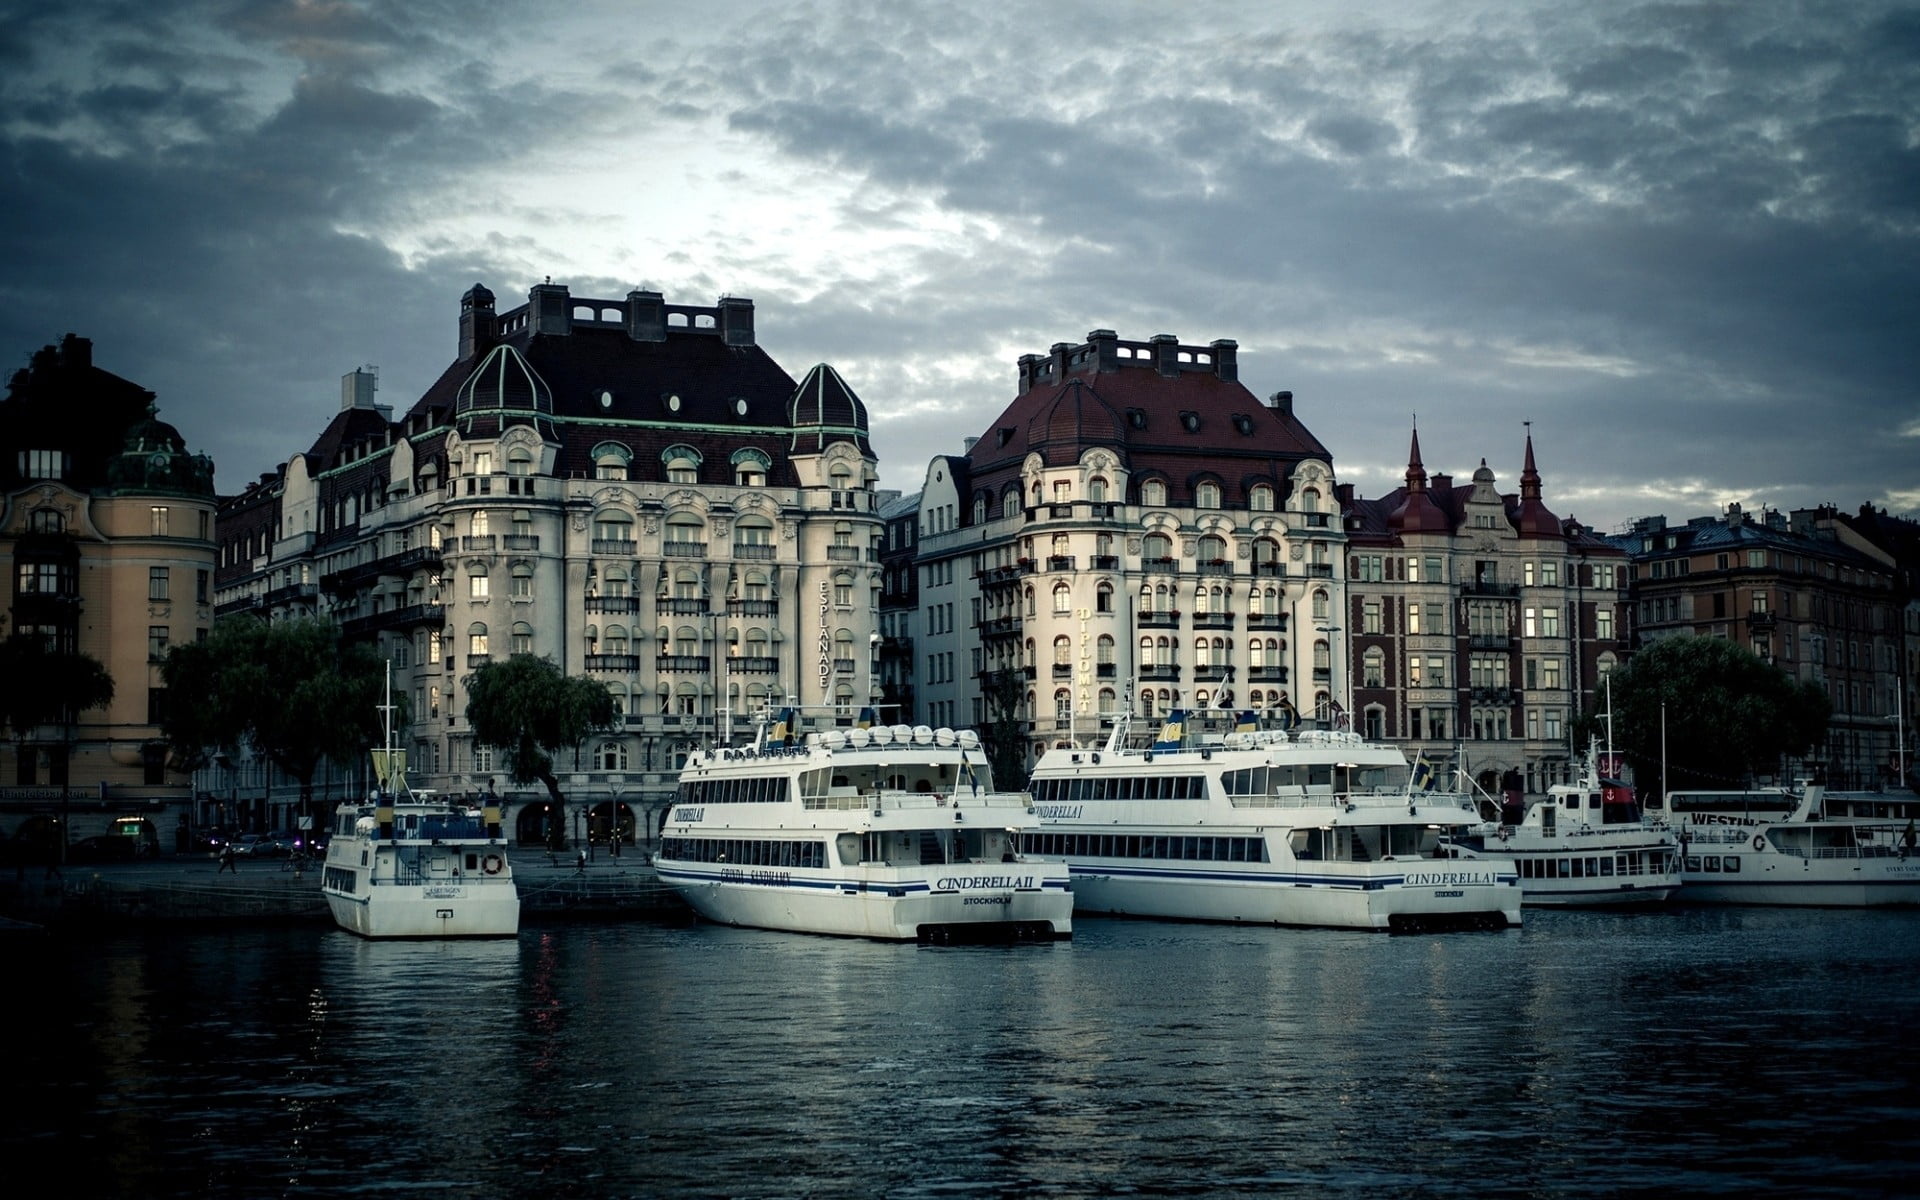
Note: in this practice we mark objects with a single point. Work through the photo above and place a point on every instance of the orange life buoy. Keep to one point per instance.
(491, 864)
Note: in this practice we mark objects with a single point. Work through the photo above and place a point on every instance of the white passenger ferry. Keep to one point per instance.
(1811, 848)
(408, 864)
(1589, 843)
(1315, 828)
(888, 832)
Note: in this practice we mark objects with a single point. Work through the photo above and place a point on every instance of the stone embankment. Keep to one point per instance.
(190, 889)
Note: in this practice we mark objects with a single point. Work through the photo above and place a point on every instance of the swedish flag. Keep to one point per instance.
(1246, 722)
(1422, 780)
(1173, 732)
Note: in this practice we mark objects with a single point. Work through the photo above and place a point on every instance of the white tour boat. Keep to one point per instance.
(408, 864)
(1316, 828)
(889, 832)
(1812, 847)
(1589, 843)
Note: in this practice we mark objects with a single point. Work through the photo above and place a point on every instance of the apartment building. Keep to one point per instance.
(632, 488)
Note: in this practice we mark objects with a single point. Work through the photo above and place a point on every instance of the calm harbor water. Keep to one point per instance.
(1694, 1052)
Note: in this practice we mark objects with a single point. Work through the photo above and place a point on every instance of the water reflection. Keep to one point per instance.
(1740, 1052)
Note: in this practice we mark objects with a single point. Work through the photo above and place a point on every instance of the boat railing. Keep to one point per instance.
(1326, 797)
(894, 801)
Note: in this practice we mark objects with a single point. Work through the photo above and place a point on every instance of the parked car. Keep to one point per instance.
(259, 845)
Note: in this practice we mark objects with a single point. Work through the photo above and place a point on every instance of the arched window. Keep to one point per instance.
(750, 468)
(1031, 611)
(1213, 549)
(1373, 668)
(1156, 547)
(686, 641)
(1310, 500)
(47, 520)
(1146, 652)
(1319, 605)
(1063, 704)
(1260, 499)
(1103, 598)
(1063, 651)
(616, 640)
(522, 638)
(685, 531)
(520, 587)
(1097, 489)
(1010, 503)
(1322, 655)
(612, 756)
(980, 510)
(1207, 495)
(480, 526)
(1062, 598)
(613, 533)
(1104, 650)
(476, 638)
(610, 460)
(520, 462)
(1153, 492)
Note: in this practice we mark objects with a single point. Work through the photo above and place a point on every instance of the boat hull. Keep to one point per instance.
(429, 911)
(1384, 897)
(1786, 881)
(1016, 901)
(1586, 870)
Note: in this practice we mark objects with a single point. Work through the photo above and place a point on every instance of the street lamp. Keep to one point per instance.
(1345, 702)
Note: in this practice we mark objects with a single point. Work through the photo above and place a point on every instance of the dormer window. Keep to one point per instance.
(43, 464)
(1207, 495)
(1153, 492)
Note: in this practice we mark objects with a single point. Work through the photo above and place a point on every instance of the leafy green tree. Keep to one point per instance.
(1729, 716)
(292, 691)
(48, 688)
(530, 710)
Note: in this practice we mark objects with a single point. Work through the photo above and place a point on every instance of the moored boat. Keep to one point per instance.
(1313, 828)
(887, 832)
(1589, 843)
(409, 864)
(1807, 848)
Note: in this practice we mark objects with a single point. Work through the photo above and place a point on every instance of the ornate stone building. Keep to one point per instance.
(632, 488)
(106, 540)
(1806, 591)
(1135, 528)
(1480, 623)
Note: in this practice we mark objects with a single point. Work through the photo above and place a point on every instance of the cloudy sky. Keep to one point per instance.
(1683, 240)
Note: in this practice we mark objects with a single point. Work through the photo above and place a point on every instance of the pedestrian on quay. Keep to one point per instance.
(580, 861)
(229, 861)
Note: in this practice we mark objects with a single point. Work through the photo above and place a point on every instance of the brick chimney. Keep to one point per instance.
(1166, 354)
(646, 316)
(736, 321)
(550, 308)
(1226, 359)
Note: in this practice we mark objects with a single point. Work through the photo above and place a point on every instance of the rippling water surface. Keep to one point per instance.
(1699, 1052)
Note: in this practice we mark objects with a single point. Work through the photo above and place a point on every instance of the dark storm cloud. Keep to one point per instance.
(1671, 233)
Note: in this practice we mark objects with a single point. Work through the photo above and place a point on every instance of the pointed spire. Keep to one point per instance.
(1416, 470)
(1529, 475)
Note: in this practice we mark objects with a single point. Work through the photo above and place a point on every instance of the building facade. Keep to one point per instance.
(1480, 623)
(633, 489)
(1137, 530)
(1803, 591)
(107, 542)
